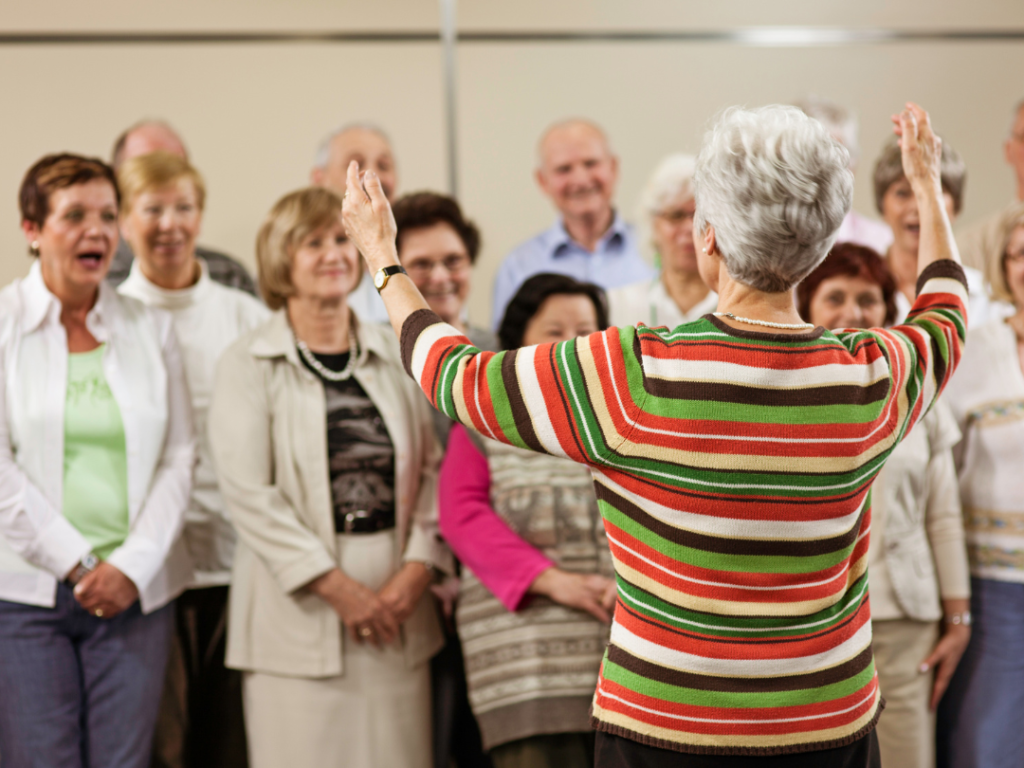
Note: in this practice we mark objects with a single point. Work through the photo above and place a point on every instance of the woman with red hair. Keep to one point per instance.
(917, 560)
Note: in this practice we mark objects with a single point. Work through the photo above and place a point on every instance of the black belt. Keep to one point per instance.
(361, 521)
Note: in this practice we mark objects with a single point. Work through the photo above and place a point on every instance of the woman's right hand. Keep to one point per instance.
(358, 607)
(583, 591)
(921, 149)
(368, 219)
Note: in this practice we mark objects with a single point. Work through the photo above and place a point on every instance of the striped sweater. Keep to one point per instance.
(733, 471)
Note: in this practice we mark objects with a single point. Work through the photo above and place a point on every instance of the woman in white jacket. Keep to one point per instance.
(917, 562)
(96, 452)
(327, 460)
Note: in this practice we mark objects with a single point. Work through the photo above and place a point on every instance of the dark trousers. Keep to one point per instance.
(617, 752)
(456, 733)
(77, 691)
(200, 723)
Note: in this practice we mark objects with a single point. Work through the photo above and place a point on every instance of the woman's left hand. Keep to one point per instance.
(105, 591)
(404, 590)
(368, 220)
(945, 657)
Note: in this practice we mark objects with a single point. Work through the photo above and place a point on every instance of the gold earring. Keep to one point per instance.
(33, 248)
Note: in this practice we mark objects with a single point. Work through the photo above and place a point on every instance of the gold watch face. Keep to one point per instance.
(379, 279)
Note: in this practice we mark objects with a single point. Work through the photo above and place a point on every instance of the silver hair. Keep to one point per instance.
(323, 149)
(672, 178)
(775, 186)
(840, 122)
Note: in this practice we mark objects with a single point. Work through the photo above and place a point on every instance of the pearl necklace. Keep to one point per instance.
(765, 323)
(323, 370)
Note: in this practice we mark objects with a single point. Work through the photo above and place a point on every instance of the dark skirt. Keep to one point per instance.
(618, 752)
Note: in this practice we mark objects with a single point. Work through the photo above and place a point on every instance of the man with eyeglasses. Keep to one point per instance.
(577, 170)
(984, 238)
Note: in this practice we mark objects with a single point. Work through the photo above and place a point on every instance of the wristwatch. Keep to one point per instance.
(86, 565)
(960, 618)
(380, 279)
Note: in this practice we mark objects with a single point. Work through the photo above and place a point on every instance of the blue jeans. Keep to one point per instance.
(77, 691)
(981, 717)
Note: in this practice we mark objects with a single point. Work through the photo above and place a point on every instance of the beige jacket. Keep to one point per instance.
(268, 434)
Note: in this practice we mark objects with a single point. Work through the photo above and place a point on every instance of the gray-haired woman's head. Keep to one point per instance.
(775, 186)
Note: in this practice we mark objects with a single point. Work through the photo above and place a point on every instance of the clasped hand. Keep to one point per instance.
(105, 591)
(370, 616)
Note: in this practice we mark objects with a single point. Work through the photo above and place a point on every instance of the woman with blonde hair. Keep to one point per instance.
(162, 201)
(980, 717)
(327, 460)
(732, 457)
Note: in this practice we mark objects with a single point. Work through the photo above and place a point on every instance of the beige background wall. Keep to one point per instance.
(253, 113)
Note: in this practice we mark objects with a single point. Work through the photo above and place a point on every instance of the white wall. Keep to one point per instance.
(253, 113)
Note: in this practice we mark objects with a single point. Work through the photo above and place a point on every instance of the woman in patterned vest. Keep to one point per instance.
(536, 593)
(732, 456)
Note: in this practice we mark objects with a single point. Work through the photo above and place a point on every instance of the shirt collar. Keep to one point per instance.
(41, 307)
(560, 240)
(276, 339)
(142, 288)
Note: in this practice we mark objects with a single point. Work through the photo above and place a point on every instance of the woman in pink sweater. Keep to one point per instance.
(536, 593)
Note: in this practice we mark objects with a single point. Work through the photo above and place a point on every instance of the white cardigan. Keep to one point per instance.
(987, 398)
(143, 368)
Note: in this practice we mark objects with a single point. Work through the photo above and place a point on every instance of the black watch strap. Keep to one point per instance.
(380, 279)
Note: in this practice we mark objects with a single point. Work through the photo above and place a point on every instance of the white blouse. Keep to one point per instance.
(648, 302)
(142, 365)
(987, 398)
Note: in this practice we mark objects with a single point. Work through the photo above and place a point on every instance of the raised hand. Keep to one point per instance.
(368, 220)
(921, 149)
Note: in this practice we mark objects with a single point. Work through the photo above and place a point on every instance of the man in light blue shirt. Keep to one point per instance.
(577, 170)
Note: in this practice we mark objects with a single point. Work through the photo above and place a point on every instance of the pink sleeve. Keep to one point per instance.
(503, 562)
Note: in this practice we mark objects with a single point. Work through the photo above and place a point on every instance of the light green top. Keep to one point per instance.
(95, 458)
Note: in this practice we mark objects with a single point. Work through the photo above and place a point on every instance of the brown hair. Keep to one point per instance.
(850, 260)
(291, 219)
(425, 209)
(889, 170)
(54, 172)
(157, 169)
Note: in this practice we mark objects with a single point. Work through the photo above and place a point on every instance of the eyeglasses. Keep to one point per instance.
(421, 269)
(676, 217)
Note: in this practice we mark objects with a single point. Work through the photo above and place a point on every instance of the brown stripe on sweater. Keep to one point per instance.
(938, 361)
(520, 413)
(817, 679)
(414, 325)
(727, 546)
(719, 392)
(943, 268)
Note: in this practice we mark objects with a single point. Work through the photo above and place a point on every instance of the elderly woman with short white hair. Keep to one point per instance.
(732, 457)
(678, 294)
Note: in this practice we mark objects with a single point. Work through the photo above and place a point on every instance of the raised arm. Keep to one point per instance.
(576, 399)
(922, 152)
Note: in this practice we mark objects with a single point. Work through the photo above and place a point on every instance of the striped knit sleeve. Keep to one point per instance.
(575, 399)
(925, 350)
